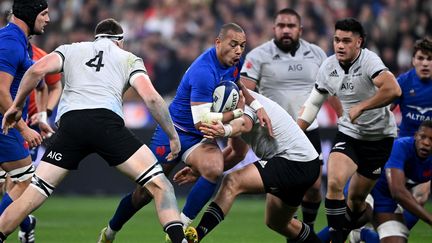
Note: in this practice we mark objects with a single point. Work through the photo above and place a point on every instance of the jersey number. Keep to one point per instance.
(96, 61)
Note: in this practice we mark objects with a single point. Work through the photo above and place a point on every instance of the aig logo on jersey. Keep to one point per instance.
(295, 67)
(55, 155)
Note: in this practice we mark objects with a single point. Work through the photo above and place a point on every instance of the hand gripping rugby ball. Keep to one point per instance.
(225, 97)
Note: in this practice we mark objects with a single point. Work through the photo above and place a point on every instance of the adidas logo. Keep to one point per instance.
(276, 57)
(262, 163)
(334, 74)
(377, 171)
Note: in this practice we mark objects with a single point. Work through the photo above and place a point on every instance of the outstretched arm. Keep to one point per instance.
(396, 179)
(158, 108)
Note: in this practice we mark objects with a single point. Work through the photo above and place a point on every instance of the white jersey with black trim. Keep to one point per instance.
(96, 75)
(353, 87)
(289, 140)
(285, 78)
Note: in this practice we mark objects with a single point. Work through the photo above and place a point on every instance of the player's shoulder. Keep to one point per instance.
(265, 49)
(311, 47)
(406, 77)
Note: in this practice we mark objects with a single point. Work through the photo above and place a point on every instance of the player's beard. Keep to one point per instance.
(286, 47)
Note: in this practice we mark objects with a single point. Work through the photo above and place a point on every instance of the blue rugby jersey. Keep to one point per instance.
(197, 85)
(415, 103)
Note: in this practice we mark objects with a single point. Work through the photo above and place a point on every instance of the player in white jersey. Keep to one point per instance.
(284, 70)
(91, 121)
(366, 129)
(288, 166)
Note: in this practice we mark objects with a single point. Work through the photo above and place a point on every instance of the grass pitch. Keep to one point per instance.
(79, 220)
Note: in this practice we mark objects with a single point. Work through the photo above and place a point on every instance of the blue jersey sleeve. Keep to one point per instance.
(10, 56)
(203, 83)
(398, 155)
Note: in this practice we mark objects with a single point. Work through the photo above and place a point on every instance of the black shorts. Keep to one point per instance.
(82, 132)
(315, 139)
(288, 180)
(370, 156)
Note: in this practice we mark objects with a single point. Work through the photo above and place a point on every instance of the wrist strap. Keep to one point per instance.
(237, 113)
(228, 130)
(255, 105)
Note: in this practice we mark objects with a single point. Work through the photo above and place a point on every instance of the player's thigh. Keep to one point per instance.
(50, 173)
(206, 157)
(245, 180)
(340, 167)
(142, 160)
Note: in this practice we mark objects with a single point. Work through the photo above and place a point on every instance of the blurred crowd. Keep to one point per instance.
(170, 34)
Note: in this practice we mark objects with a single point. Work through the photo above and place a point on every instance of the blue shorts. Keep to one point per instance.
(383, 201)
(160, 145)
(13, 146)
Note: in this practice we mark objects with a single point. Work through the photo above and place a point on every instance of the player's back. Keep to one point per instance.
(289, 140)
(96, 75)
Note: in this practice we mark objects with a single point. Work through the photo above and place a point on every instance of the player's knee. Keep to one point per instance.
(230, 185)
(392, 228)
(212, 172)
(22, 174)
(42, 186)
(334, 186)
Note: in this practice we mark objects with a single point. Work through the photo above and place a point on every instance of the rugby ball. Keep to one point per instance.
(225, 97)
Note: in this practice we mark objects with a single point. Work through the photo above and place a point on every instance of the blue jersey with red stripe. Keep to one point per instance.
(14, 60)
(415, 103)
(197, 85)
(403, 157)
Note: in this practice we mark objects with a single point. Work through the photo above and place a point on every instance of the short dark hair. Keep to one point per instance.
(108, 26)
(288, 11)
(353, 25)
(230, 26)
(427, 123)
(424, 45)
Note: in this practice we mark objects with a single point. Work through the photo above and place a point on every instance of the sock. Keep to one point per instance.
(175, 231)
(324, 235)
(210, 219)
(2, 237)
(335, 211)
(369, 235)
(410, 219)
(125, 210)
(310, 212)
(5, 202)
(197, 198)
(110, 233)
(185, 220)
(306, 235)
(25, 224)
(356, 220)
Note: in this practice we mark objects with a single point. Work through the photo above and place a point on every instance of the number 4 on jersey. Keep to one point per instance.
(96, 61)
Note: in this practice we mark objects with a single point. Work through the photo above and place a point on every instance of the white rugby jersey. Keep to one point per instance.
(289, 140)
(282, 77)
(353, 87)
(96, 75)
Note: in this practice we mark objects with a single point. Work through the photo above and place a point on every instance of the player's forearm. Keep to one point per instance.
(160, 113)
(54, 93)
(28, 83)
(5, 101)
(42, 99)
(408, 202)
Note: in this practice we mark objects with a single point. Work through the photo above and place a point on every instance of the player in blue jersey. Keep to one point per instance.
(29, 17)
(191, 106)
(415, 106)
(410, 164)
